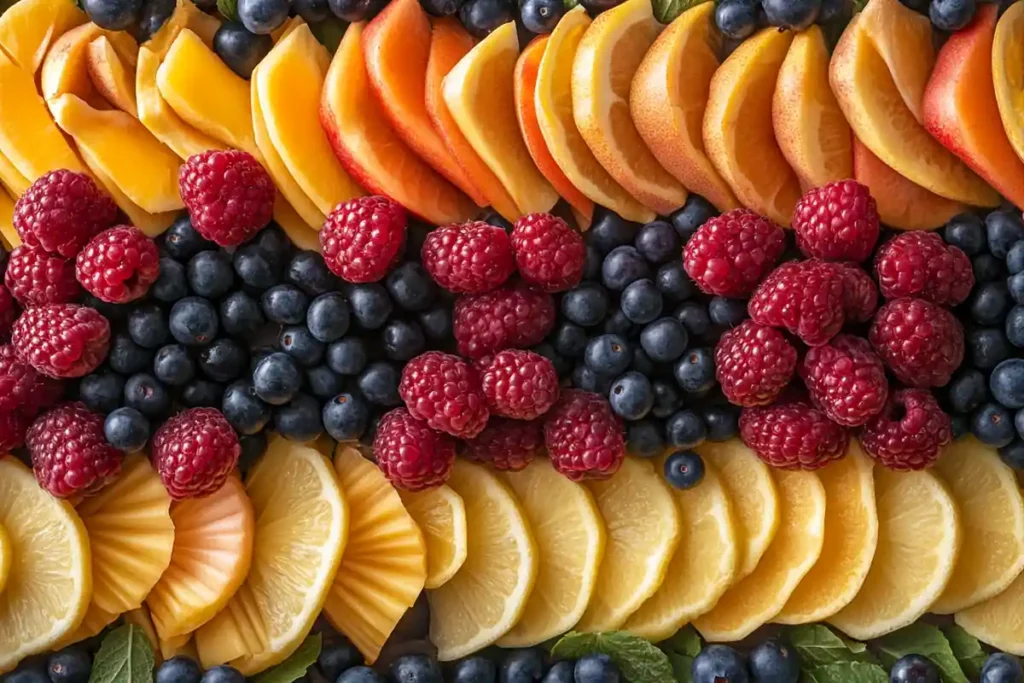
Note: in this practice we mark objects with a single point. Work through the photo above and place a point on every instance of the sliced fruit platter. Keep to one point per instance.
(413, 341)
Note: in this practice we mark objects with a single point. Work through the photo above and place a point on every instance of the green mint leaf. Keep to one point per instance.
(682, 667)
(639, 660)
(569, 4)
(329, 32)
(966, 649)
(294, 668)
(685, 642)
(228, 9)
(845, 672)
(666, 11)
(925, 640)
(817, 645)
(124, 657)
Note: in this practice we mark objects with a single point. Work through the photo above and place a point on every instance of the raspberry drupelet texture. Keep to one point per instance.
(860, 295)
(803, 297)
(411, 455)
(469, 259)
(793, 435)
(514, 316)
(922, 265)
(8, 313)
(920, 342)
(363, 238)
(910, 431)
(61, 211)
(522, 385)
(505, 444)
(22, 389)
(846, 380)
(36, 277)
(13, 427)
(583, 437)
(753, 364)
(549, 252)
(62, 340)
(729, 254)
(194, 452)
(444, 391)
(118, 265)
(228, 194)
(837, 222)
(69, 453)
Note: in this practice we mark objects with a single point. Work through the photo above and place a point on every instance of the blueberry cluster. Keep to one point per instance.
(986, 395)
(739, 19)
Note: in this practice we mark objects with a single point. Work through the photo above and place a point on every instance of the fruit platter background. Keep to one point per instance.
(357, 341)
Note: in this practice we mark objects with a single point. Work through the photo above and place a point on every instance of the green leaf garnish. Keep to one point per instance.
(845, 672)
(966, 649)
(666, 11)
(228, 9)
(925, 640)
(817, 645)
(294, 668)
(124, 657)
(637, 659)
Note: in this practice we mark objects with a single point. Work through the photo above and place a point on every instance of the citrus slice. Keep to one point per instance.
(570, 537)
(851, 536)
(93, 623)
(441, 516)
(643, 532)
(213, 538)
(301, 527)
(992, 518)
(918, 539)
(757, 598)
(385, 562)
(50, 581)
(6, 556)
(749, 485)
(487, 596)
(998, 621)
(238, 631)
(1008, 73)
(703, 565)
(479, 92)
(131, 535)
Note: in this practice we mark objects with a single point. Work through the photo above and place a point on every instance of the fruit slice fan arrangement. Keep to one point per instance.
(674, 323)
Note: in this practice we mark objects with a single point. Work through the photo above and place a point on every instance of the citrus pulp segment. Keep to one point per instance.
(998, 621)
(441, 516)
(238, 630)
(93, 623)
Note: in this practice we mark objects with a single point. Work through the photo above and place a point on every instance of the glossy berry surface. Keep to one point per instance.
(684, 469)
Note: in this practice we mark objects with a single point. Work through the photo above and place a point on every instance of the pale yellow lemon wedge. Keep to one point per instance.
(441, 516)
(93, 623)
(998, 621)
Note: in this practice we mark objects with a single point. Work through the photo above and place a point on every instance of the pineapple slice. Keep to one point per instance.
(237, 631)
(384, 566)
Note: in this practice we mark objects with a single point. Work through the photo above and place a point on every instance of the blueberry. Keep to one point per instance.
(1015, 258)
(201, 393)
(1015, 327)
(1001, 668)
(993, 425)
(113, 15)
(987, 268)
(277, 378)
(588, 380)
(657, 242)
(966, 391)
(736, 19)
(284, 304)
(360, 674)
(299, 343)
(645, 438)
(631, 396)
(173, 366)
(609, 230)
(987, 347)
(1007, 383)
(921, 7)
(622, 266)
(223, 674)
(379, 384)
(592, 264)
(112, 312)
(727, 312)
(1015, 287)
(561, 672)
(193, 321)
(722, 422)
(416, 668)
(308, 272)
(989, 303)
(480, 17)
(154, 15)
(960, 426)
(833, 10)
(126, 429)
(684, 469)
(697, 210)
(347, 356)
(411, 288)
(695, 371)
(28, 672)
(262, 16)
(240, 48)
(641, 302)
(145, 394)
(666, 399)
(608, 354)
(210, 274)
(148, 326)
(1018, 423)
(180, 669)
(345, 417)
(337, 657)
(324, 382)
(596, 668)
(642, 363)
(241, 315)
(1013, 455)
(664, 340)
(371, 305)
(913, 669)
(541, 16)
(685, 429)
(244, 409)
(694, 318)
(403, 340)
(586, 304)
(617, 323)
(436, 323)
(299, 419)
(774, 661)
(475, 670)
(791, 14)
(70, 665)
(440, 8)
(522, 666)
(563, 364)
(328, 317)
(312, 11)
(254, 268)
(101, 391)
(951, 15)
(1003, 229)
(719, 664)
(274, 243)
(966, 231)
(569, 339)
(171, 284)
(595, 7)
(672, 281)
(182, 241)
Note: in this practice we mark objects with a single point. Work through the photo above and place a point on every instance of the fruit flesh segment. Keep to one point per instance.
(441, 516)
(92, 624)
(11, 178)
(238, 630)
(65, 68)
(140, 617)
(149, 223)
(999, 621)
(113, 78)
(6, 555)
(28, 27)
(1008, 74)
(299, 232)
(8, 234)
(667, 100)
(178, 646)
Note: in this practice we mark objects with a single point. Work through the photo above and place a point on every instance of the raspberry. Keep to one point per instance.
(753, 363)
(910, 431)
(8, 313)
(520, 384)
(229, 195)
(363, 238)
(845, 380)
(444, 391)
(549, 253)
(61, 211)
(69, 453)
(921, 343)
(506, 444)
(118, 265)
(410, 454)
(62, 340)
(729, 254)
(13, 427)
(470, 258)
(837, 222)
(584, 438)
(36, 277)
(793, 435)
(921, 264)
(22, 389)
(514, 316)
(194, 452)
(860, 296)
(803, 297)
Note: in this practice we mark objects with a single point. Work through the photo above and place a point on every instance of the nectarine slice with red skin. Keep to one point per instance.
(1008, 74)
(902, 204)
(526, 110)
(369, 148)
(961, 111)
(396, 47)
(29, 27)
(449, 43)
(64, 70)
(112, 78)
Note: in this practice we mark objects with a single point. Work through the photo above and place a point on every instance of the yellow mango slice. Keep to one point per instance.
(112, 77)
(152, 224)
(64, 69)
(27, 29)
(9, 235)
(11, 178)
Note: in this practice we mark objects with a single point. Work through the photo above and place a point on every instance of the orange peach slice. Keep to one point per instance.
(809, 125)
(28, 27)
(113, 78)
(1008, 73)
(738, 132)
(302, 234)
(371, 151)
(64, 69)
(152, 224)
(11, 178)
(8, 234)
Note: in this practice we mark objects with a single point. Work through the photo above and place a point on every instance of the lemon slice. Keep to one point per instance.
(749, 485)
(301, 527)
(238, 631)
(441, 516)
(756, 599)
(703, 566)
(487, 596)
(385, 562)
(50, 580)
(570, 537)
(851, 536)
(643, 532)
(94, 621)
(918, 539)
(992, 517)
(6, 555)
(998, 621)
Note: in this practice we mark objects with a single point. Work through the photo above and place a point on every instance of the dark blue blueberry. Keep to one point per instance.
(255, 268)
(966, 231)
(324, 382)
(308, 272)
(541, 16)
(437, 323)
(645, 438)
(210, 274)
(299, 343)
(417, 232)
(336, 657)
(617, 323)
(561, 672)
(360, 674)
(263, 16)
(411, 287)
(631, 396)
(664, 340)
(403, 340)
(673, 282)
(181, 241)
(480, 17)
(145, 394)
(993, 425)
(223, 674)
(346, 417)
(240, 48)
(154, 15)
(522, 666)
(126, 429)
(987, 347)
(684, 469)
(1015, 258)
(274, 243)
(609, 230)
(722, 421)
(1003, 229)
(989, 303)
(1013, 456)
(695, 212)
(201, 393)
(148, 326)
(695, 371)
(28, 672)
(966, 391)
(694, 318)
(113, 15)
(736, 19)
(642, 363)
(371, 305)
(112, 312)
(596, 668)
(657, 242)
(101, 391)
(951, 15)
(277, 378)
(1007, 383)
(379, 384)
(833, 10)
(1000, 667)
(224, 360)
(727, 312)
(563, 364)
(791, 14)
(960, 426)
(475, 670)
(1015, 287)
(913, 669)
(299, 419)
(70, 665)
(171, 284)
(246, 412)
(193, 321)
(569, 339)
(666, 399)
(180, 669)
(608, 354)
(241, 315)
(312, 11)
(1015, 327)
(641, 302)
(622, 266)
(284, 304)
(685, 429)
(416, 668)
(173, 365)
(774, 661)
(440, 8)
(592, 266)
(126, 357)
(347, 356)
(586, 304)
(987, 268)
(719, 664)
(588, 380)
